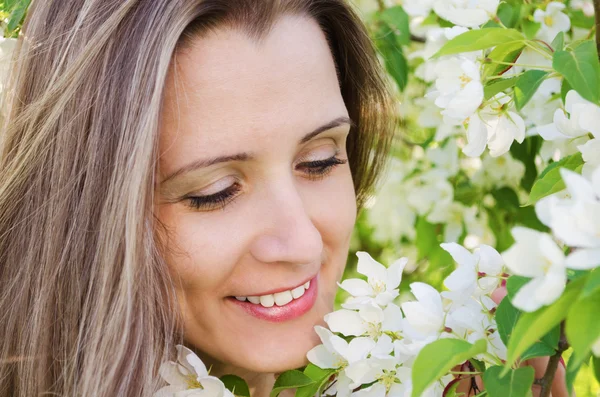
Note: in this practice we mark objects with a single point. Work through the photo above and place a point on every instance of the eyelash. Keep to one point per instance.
(317, 170)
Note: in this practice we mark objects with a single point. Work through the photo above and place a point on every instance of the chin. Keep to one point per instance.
(283, 346)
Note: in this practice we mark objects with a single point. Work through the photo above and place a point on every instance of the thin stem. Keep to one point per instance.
(536, 49)
(381, 5)
(520, 64)
(597, 12)
(548, 46)
(546, 381)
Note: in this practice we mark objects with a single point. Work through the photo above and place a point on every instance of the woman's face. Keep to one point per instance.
(251, 192)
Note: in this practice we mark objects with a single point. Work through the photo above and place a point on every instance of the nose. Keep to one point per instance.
(286, 232)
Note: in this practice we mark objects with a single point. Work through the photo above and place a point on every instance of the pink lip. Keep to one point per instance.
(294, 309)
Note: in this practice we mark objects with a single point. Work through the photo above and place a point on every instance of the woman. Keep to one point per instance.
(113, 245)
(180, 171)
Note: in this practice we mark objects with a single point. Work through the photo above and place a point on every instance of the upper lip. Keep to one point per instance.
(281, 289)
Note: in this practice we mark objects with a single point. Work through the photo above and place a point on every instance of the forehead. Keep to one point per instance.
(228, 92)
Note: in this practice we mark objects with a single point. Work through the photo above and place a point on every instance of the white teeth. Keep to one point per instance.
(267, 300)
(283, 298)
(298, 292)
(279, 298)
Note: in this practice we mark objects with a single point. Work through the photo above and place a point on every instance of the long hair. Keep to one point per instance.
(87, 307)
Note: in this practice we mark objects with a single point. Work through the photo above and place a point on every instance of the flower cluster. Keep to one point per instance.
(372, 342)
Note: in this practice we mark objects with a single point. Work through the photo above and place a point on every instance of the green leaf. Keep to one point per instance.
(550, 181)
(498, 85)
(478, 365)
(290, 380)
(582, 326)
(580, 20)
(507, 52)
(509, 14)
(573, 367)
(393, 56)
(480, 39)
(507, 317)
(592, 285)
(532, 326)
(437, 358)
(319, 376)
(17, 15)
(580, 67)
(527, 85)
(596, 362)
(526, 153)
(545, 347)
(397, 19)
(514, 284)
(517, 383)
(530, 28)
(559, 42)
(499, 222)
(236, 385)
(565, 87)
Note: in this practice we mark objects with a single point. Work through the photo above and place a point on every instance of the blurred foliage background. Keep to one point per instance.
(486, 195)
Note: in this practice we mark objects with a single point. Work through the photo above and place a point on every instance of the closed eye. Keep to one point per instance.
(316, 170)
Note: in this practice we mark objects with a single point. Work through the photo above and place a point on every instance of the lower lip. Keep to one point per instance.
(294, 309)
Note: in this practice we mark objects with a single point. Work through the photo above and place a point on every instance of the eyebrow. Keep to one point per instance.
(247, 156)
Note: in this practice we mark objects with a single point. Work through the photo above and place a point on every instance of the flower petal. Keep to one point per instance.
(369, 266)
(356, 287)
(322, 357)
(346, 322)
(584, 259)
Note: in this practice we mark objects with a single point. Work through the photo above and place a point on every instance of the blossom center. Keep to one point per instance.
(374, 330)
(192, 382)
(378, 286)
(464, 80)
(387, 378)
(549, 21)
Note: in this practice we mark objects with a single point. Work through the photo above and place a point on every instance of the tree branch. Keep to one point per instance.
(597, 13)
(563, 344)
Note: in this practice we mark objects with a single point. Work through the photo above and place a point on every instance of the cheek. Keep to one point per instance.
(198, 255)
(334, 214)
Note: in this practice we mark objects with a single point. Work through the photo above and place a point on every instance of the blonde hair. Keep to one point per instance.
(87, 306)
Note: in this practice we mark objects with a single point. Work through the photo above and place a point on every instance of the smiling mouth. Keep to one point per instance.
(282, 305)
(278, 298)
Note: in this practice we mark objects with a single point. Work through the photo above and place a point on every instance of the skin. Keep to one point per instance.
(228, 94)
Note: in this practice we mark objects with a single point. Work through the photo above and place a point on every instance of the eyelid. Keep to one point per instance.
(307, 157)
(216, 187)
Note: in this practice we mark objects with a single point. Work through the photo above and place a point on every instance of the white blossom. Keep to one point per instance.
(576, 219)
(591, 155)
(466, 12)
(583, 118)
(495, 127)
(382, 283)
(429, 189)
(425, 316)
(459, 88)
(587, 6)
(552, 20)
(416, 8)
(534, 254)
(189, 378)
